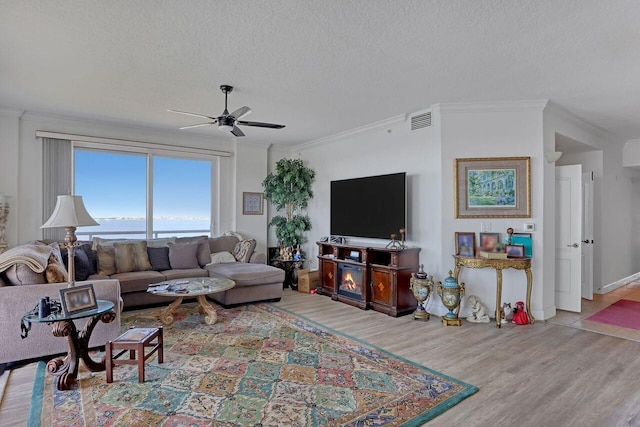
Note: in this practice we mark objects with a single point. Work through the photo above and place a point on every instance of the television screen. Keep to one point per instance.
(374, 206)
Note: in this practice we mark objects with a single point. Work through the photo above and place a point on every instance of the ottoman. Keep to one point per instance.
(254, 282)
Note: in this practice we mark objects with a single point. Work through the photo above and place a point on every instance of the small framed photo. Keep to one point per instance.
(252, 203)
(78, 299)
(466, 244)
(489, 241)
(514, 251)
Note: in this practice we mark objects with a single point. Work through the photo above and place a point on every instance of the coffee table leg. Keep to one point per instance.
(165, 316)
(210, 316)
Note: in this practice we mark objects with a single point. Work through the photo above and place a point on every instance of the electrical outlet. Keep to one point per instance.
(528, 226)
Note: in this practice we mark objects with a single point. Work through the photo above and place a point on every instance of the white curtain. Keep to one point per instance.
(57, 161)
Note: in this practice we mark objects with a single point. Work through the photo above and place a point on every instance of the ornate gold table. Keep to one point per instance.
(499, 265)
(198, 287)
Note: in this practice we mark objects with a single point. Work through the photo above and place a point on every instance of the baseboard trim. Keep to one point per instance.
(619, 283)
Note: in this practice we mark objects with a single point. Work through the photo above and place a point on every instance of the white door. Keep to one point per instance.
(587, 235)
(568, 237)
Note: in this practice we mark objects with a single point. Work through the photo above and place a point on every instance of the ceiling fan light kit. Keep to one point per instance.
(228, 121)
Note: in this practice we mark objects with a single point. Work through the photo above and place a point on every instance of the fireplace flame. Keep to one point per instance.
(348, 283)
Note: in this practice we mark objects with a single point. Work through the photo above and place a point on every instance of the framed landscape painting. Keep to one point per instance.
(495, 187)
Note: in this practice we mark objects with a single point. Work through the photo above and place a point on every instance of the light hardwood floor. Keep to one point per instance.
(538, 375)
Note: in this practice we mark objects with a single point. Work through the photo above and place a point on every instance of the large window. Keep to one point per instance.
(136, 195)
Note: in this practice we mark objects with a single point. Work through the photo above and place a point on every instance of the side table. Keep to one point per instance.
(65, 369)
(290, 268)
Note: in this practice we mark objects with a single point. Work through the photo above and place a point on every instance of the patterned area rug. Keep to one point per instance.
(257, 366)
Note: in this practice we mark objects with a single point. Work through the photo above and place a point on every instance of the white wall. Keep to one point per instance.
(9, 153)
(613, 240)
(387, 147)
(251, 169)
(476, 130)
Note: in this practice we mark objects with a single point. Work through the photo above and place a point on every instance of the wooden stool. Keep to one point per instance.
(135, 339)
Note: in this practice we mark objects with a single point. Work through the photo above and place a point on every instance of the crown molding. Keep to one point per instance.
(11, 112)
(55, 118)
(570, 117)
(392, 121)
(490, 107)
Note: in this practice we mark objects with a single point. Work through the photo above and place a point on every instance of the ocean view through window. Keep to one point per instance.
(141, 196)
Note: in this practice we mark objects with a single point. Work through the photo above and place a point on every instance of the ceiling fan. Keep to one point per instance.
(229, 121)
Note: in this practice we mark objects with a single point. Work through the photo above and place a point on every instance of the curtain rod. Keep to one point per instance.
(131, 143)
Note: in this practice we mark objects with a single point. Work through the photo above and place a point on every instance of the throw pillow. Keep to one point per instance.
(92, 256)
(183, 255)
(80, 263)
(131, 257)
(21, 274)
(220, 257)
(204, 251)
(106, 260)
(55, 272)
(243, 250)
(159, 258)
(159, 243)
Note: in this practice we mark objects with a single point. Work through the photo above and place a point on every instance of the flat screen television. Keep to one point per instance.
(373, 206)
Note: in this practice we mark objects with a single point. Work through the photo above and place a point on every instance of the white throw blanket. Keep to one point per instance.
(36, 257)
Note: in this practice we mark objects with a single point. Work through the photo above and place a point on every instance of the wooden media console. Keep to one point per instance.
(368, 277)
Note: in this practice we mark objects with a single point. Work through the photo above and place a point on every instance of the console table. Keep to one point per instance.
(499, 265)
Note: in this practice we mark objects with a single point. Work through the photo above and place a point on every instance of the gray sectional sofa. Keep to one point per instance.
(255, 281)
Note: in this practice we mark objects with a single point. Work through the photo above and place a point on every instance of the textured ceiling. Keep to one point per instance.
(319, 67)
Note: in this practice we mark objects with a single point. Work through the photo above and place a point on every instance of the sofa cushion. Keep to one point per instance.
(243, 250)
(55, 272)
(106, 260)
(159, 258)
(183, 255)
(185, 273)
(136, 281)
(21, 274)
(131, 257)
(80, 263)
(219, 257)
(247, 274)
(92, 256)
(223, 243)
(160, 243)
(204, 252)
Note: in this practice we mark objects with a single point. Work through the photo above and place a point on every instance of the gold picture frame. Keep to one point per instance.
(493, 187)
(252, 203)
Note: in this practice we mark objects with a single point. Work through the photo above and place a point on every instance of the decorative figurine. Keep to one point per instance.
(403, 233)
(422, 286)
(451, 293)
(510, 235)
(393, 244)
(506, 313)
(478, 313)
(520, 315)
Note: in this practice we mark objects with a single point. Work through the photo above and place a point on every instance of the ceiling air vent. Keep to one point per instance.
(421, 121)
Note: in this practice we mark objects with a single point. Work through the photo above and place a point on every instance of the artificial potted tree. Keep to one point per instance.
(289, 189)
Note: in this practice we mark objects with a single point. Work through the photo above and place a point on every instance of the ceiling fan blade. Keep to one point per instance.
(241, 112)
(198, 125)
(236, 131)
(260, 124)
(191, 114)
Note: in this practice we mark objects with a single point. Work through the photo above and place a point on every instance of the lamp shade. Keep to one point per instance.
(69, 212)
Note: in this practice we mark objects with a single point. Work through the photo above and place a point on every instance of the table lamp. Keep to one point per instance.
(70, 213)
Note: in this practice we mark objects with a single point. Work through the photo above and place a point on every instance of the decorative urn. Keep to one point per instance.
(451, 294)
(422, 286)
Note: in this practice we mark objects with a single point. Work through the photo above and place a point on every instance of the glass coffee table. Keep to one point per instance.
(198, 287)
(65, 369)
